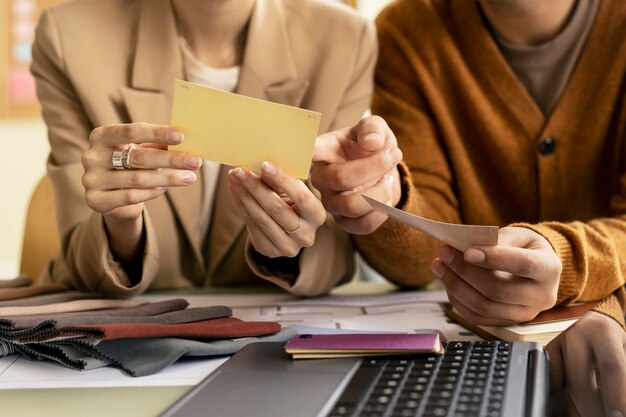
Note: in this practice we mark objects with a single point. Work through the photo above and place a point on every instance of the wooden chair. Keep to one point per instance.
(41, 236)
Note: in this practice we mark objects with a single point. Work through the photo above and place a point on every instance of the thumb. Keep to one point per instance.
(371, 133)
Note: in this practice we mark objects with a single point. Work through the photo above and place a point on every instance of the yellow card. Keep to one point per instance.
(241, 131)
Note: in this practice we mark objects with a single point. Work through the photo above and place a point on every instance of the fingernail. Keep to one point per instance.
(474, 255)
(174, 137)
(394, 155)
(616, 413)
(189, 177)
(373, 137)
(446, 254)
(268, 168)
(438, 268)
(193, 162)
(389, 179)
(239, 174)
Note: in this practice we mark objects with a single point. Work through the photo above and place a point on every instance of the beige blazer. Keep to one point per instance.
(114, 61)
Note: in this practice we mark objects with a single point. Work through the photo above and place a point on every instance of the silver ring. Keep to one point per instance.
(291, 232)
(116, 159)
(126, 152)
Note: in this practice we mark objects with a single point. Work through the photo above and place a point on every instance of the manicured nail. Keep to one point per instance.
(193, 162)
(373, 137)
(474, 256)
(189, 177)
(389, 179)
(446, 254)
(438, 268)
(174, 137)
(239, 174)
(394, 155)
(268, 168)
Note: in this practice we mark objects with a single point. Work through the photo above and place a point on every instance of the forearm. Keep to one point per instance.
(127, 241)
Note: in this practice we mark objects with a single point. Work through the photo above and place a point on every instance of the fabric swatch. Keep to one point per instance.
(112, 315)
(209, 329)
(29, 291)
(141, 357)
(59, 297)
(76, 305)
(50, 329)
(21, 281)
(137, 357)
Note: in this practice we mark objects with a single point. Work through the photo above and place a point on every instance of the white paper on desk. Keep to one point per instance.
(459, 236)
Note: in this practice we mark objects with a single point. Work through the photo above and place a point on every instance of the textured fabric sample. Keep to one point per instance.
(29, 291)
(50, 329)
(114, 315)
(76, 305)
(141, 357)
(46, 331)
(21, 281)
(209, 329)
(138, 357)
(59, 297)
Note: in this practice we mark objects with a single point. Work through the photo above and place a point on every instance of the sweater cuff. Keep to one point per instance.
(614, 306)
(570, 286)
(392, 230)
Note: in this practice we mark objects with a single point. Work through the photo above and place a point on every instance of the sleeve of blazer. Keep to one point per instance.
(330, 261)
(86, 259)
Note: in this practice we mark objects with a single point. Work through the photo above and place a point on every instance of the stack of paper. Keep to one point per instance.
(542, 329)
(308, 346)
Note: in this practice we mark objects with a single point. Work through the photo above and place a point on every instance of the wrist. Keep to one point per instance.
(126, 238)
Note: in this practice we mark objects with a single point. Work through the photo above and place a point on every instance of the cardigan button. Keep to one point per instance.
(546, 146)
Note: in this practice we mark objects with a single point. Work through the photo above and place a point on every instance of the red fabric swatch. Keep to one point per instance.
(224, 328)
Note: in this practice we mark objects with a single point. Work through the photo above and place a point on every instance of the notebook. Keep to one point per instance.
(488, 378)
(310, 346)
(542, 329)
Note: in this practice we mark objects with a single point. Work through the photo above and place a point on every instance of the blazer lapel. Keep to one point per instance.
(269, 73)
(156, 64)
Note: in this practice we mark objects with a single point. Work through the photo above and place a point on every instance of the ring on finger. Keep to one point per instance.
(126, 153)
(292, 231)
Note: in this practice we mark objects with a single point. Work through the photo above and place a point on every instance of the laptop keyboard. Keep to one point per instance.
(467, 380)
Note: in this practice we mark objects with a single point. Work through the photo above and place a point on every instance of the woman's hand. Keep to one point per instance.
(281, 213)
(588, 368)
(508, 283)
(119, 194)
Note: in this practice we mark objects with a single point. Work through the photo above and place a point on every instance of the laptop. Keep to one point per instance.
(490, 378)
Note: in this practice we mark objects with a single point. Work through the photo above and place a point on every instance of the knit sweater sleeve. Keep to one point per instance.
(614, 306)
(425, 173)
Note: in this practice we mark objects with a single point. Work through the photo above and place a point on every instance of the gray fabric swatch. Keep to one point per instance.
(6, 349)
(138, 357)
(59, 297)
(95, 316)
(171, 317)
(141, 357)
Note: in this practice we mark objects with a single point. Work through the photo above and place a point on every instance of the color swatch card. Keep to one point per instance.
(459, 236)
(307, 346)
(241, 131)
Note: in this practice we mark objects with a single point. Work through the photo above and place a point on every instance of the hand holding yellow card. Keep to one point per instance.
(241, 131)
